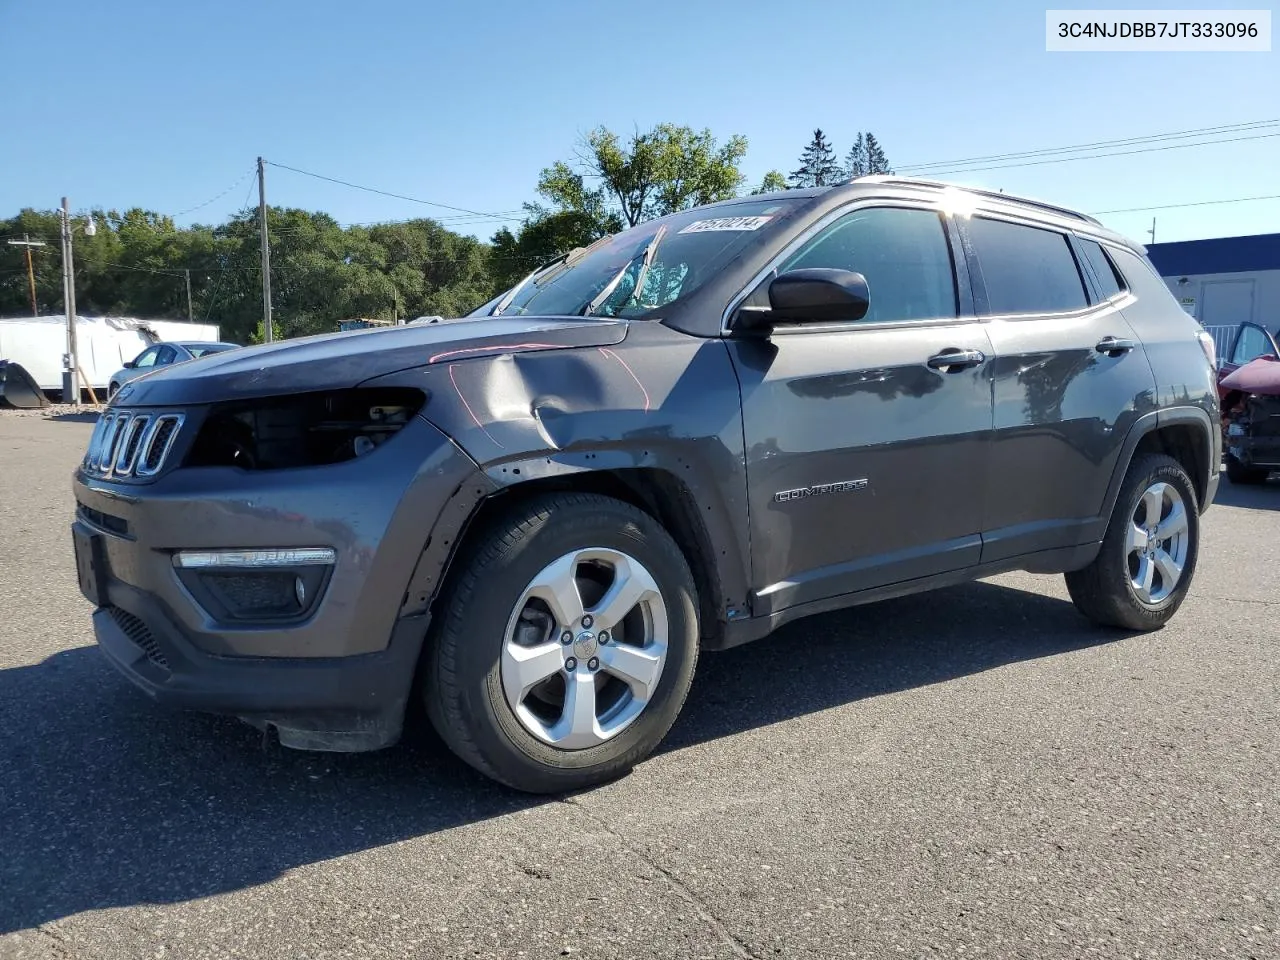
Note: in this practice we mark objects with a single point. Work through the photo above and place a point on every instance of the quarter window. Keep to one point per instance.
(1026, 269)
(1109, 282)
(904, 255)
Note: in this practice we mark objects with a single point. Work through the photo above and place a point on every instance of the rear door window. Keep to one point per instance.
(1026, 270)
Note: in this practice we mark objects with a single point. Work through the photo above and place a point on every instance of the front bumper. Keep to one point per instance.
(1255, 451)
(340, 678)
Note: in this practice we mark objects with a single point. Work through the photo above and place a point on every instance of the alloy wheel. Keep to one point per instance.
(1157, 543)
(584, 648)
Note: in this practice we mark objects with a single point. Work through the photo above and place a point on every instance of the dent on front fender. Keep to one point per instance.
(661, 401)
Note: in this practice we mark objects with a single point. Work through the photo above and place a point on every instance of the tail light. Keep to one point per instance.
(1209, 347)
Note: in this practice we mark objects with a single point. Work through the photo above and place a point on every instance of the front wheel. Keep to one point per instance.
(1148, 555)
(566, 644)
(112, 390)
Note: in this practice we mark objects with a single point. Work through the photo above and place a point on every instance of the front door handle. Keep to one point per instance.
(1114, 346)
(954, 359)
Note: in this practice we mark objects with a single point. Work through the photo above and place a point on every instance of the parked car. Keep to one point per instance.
(1249, 390)
(674, 441)
(162, 355)
(1250, 342)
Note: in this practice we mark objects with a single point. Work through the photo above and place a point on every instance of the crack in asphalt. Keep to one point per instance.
(60, 944)
(1265, 603)
(735, 943)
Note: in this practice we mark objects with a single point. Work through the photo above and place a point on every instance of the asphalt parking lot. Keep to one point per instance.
(975, 772)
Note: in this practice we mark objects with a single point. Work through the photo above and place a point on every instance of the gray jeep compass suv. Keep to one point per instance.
(535, 517)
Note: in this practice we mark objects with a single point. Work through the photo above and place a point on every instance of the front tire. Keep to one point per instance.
(1148, 555)
(112, 390)
(520, 679)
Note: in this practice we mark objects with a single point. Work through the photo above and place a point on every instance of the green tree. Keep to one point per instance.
(651, 174)
(772, 182)
(855, 164)
(818, 167)
(877, 162)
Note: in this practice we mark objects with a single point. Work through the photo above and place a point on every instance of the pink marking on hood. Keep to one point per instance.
(626, 366)
(498, 348)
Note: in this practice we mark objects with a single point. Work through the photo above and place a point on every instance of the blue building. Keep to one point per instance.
(1224, 282)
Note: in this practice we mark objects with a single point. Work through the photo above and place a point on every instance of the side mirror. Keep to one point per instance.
(812, 295)
(819, 295)
(129, 364)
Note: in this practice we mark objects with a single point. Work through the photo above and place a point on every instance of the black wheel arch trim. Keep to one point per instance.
(1147, 424)
(710, 521)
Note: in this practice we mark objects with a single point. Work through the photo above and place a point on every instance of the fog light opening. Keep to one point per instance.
(300, 591)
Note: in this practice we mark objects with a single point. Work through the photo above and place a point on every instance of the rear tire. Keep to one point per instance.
(1239, 474)
(1148, 556)
(520, 703)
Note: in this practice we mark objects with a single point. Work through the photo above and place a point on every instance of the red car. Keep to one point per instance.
(1249, 388)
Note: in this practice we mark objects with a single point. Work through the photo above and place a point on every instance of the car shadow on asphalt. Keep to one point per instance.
(110, 801)
(1264, 496)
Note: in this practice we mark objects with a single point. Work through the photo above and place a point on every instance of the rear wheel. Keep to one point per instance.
(566, 644)
(1148, 555)
(1238, 473)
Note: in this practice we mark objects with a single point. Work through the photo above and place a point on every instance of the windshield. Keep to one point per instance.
(670, 258)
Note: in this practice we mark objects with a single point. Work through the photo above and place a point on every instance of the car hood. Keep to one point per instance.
(341, 360)
(1261, 376)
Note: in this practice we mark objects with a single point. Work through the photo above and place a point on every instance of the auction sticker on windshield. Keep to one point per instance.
(725, 223)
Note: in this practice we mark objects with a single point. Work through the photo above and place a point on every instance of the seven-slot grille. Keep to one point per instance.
(128, 443)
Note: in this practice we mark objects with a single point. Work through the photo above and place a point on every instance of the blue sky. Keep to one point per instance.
(164, 105)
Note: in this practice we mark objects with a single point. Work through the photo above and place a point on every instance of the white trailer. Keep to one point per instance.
(38, 344)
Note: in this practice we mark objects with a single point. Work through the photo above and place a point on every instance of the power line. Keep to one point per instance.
(1178, 206)
(1099, 156)
(217, 286)
(1099, 144)
(239, 180)
(385, 193)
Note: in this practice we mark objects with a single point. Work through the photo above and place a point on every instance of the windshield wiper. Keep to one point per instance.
(612, 285)
(547, 272)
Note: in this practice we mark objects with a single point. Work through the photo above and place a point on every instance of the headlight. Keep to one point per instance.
(303, 430)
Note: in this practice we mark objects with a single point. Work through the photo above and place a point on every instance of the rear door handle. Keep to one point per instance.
(954, 359)
(1114, 346)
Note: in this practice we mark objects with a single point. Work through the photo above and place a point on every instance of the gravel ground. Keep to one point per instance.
(975, 772)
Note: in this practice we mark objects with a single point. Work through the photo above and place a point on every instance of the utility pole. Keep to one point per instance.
(71, 374)
(1152, 231)
(266, 251)
(27, 242)
(190, 318)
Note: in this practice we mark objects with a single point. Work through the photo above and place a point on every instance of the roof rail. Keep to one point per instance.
(990, 194)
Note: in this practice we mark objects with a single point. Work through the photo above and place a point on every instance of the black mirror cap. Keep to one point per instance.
(819, 295)
(129, 364)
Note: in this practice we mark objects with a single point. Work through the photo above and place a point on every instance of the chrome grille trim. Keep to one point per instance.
(158, 443)
(126, 444)
(130, 441)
